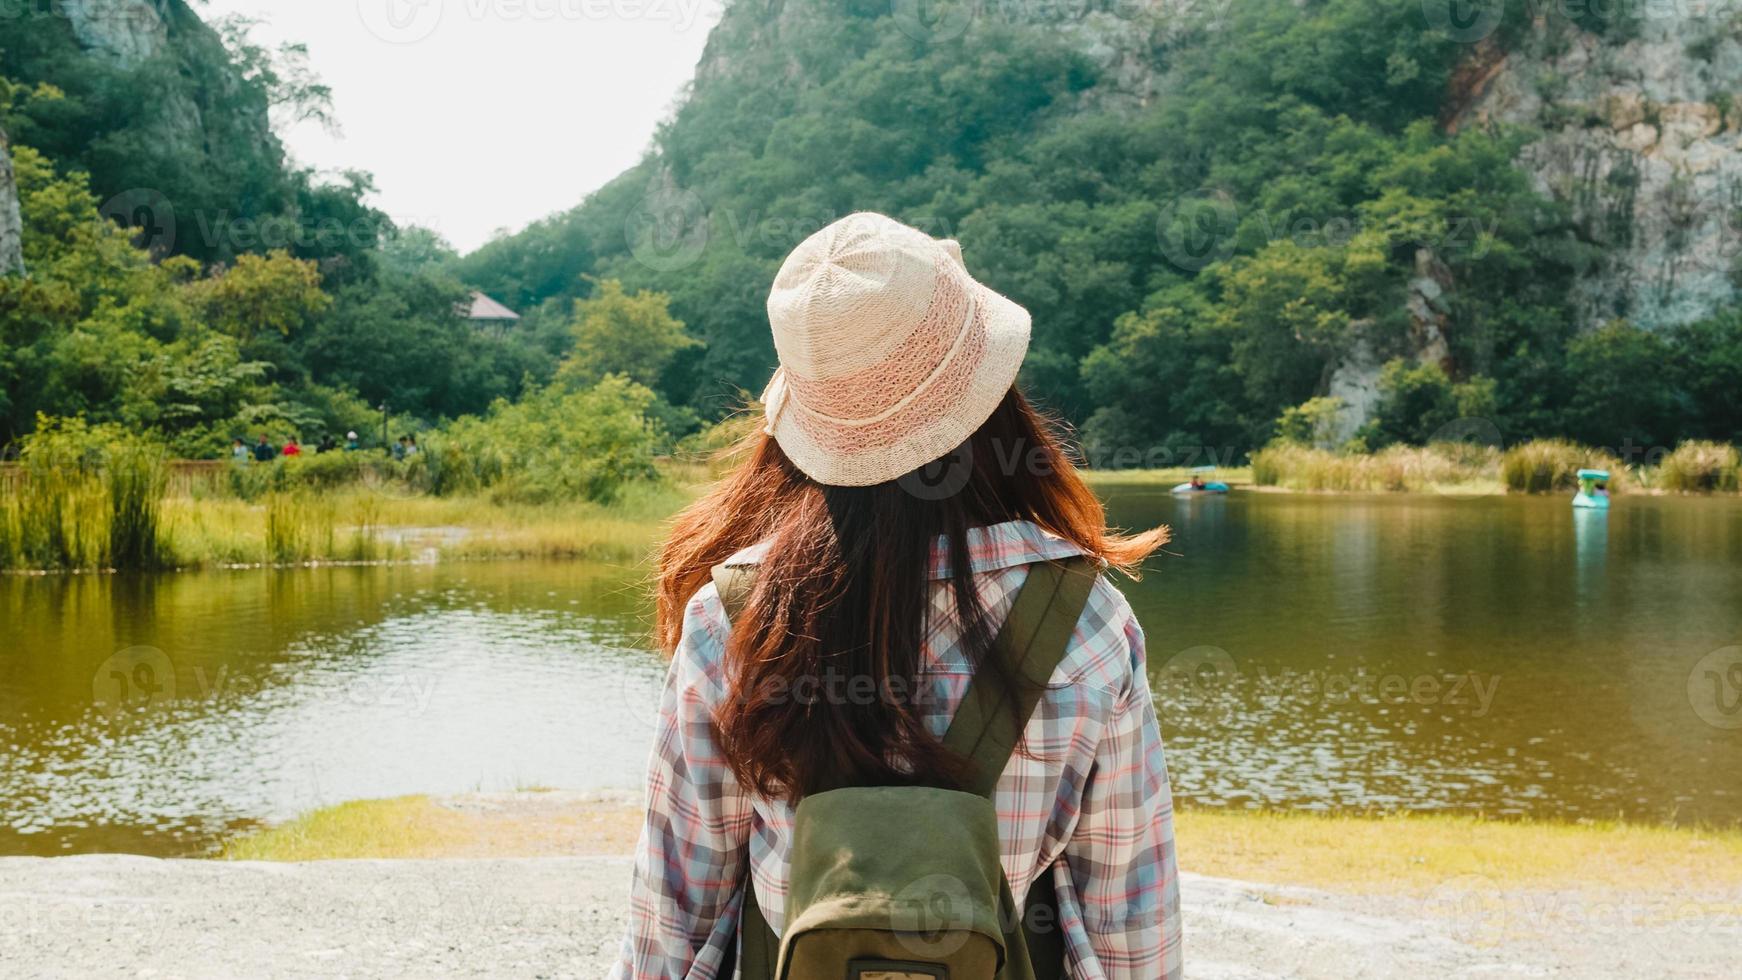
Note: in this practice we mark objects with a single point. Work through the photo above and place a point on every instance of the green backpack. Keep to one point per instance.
(904, 883)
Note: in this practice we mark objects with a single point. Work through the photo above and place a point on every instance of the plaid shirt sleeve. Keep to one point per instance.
(689, 863)
(1118, 884)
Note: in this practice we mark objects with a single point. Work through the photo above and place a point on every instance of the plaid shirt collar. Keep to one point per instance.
(991, 548)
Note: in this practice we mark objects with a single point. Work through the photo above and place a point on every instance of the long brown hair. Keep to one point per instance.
(825, 658)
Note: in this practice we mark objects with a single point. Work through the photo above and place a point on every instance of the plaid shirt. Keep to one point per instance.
(1092, 806)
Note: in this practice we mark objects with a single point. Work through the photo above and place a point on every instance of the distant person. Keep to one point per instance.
(1603, 488)
(238, 450)
(1197, 482)
(291, 448)
(399, 448)
(411, 446)
(351, 443)
(327, 444)
(263, 451)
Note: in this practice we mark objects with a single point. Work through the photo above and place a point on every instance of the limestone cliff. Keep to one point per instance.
(127, 32)
(11, 221)
(1643, 138)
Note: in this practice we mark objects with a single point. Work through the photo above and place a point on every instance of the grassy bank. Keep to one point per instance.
(1165, 478)
(83, 526)
(1538, 466)
(361, 525)
(1401, 854)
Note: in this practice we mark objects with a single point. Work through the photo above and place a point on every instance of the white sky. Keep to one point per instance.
(477, 115)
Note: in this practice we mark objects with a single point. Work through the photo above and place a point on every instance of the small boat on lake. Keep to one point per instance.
(1593, 490)
(1197, 484)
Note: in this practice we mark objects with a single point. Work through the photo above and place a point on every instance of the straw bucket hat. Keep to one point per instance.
(890, 353)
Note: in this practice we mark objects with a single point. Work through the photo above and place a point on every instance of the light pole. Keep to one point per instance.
(386, 446)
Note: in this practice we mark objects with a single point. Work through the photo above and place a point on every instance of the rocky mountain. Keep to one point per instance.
(1642, 137)
(150, 101)
(11, 222)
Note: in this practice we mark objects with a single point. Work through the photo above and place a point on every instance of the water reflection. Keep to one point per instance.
(1495, 654)
(1591, 539)
(1434, 653)
(274, 692)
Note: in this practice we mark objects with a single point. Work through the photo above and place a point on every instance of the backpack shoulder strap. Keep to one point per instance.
(758, 947)
(734, 583)
(1032, 642)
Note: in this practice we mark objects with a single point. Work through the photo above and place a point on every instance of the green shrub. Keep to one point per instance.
(1701, 467)
(85, 496)
(1310, 423)
(1552, 465)
(137, 476)
(554, 444)
(1394, 468)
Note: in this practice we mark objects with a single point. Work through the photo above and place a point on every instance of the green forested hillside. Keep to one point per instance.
(1204, 226)
(182, 276)
(1217, 212)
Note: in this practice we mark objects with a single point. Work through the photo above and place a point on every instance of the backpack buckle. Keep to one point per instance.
(896, 970)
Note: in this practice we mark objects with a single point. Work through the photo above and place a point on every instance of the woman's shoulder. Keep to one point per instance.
(1107, 646)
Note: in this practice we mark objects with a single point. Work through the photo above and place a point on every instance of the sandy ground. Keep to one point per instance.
(125, 916)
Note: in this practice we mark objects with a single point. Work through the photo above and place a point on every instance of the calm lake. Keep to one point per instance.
(1499, 654)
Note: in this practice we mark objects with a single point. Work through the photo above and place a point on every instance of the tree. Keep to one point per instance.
(262, 295)
(617, 333)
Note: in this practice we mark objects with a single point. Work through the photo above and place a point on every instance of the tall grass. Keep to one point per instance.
(1701, 467)
(137, 476)
(1552, 465)
(1442, 466)
(299, 527)
(60, 509)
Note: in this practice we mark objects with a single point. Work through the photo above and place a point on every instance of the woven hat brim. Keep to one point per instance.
(1007, 331)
